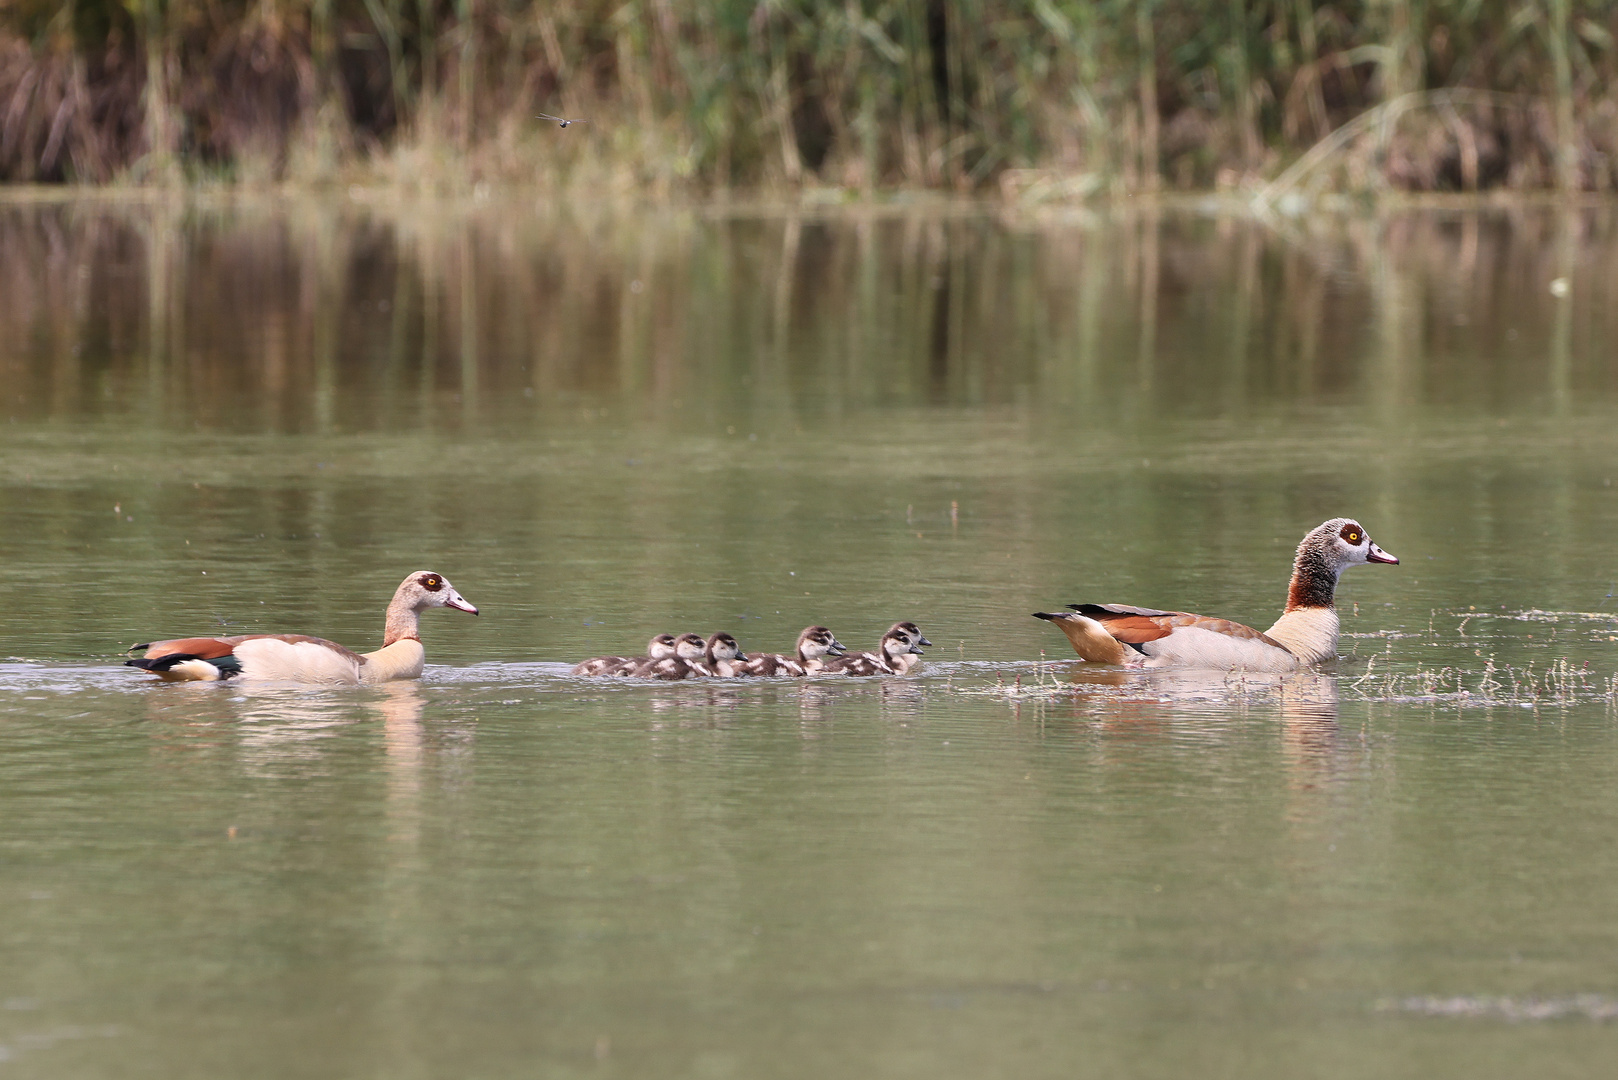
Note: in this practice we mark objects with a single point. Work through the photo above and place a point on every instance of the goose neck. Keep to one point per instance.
(404, 621)
(1314, 581)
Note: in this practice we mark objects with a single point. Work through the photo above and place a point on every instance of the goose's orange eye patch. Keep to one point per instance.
(432, 582)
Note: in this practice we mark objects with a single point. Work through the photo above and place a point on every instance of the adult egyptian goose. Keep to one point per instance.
(895, 655)
(659, 647)
(1304, 635)
(686, 663)
(298, 658)
(814, 644)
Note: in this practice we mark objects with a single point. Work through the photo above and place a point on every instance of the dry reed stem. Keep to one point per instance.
(947, 94)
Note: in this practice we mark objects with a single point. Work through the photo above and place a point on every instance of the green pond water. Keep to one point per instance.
(232, 416)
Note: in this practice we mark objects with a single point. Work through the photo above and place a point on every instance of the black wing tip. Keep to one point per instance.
(1050, 617)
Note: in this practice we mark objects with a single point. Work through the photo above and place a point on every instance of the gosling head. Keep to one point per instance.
(911, 633)
(722, 647)
(690, 647)
(896, 643)
(816, 641)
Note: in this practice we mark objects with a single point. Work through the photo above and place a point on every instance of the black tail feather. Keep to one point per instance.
(227, 665)
(161, 663)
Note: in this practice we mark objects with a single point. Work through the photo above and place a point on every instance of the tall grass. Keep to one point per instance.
(681, 94)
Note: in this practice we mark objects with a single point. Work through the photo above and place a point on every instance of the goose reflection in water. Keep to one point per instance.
(294, 713)
(1306, 705)
(279, 723)
(690, 705)
(899, 702)
(400, 705)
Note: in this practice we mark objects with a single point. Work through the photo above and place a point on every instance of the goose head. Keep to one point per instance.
(1341, 543)
(660, 647)
(425, 589)
(897, 643)
(816, 641)
(911, 633)
(722, 647)
(690, 648)
(1322, 557)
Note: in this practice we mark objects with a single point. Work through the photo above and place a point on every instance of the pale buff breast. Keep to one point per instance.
(1310, 633)
(403, 659)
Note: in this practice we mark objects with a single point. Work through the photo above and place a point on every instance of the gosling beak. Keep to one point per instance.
(836, 647)
(1378, 555)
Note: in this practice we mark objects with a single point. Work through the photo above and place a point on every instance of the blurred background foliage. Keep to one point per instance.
(1033, 97)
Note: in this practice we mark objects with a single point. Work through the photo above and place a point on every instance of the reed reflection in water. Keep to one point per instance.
(325, 317)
